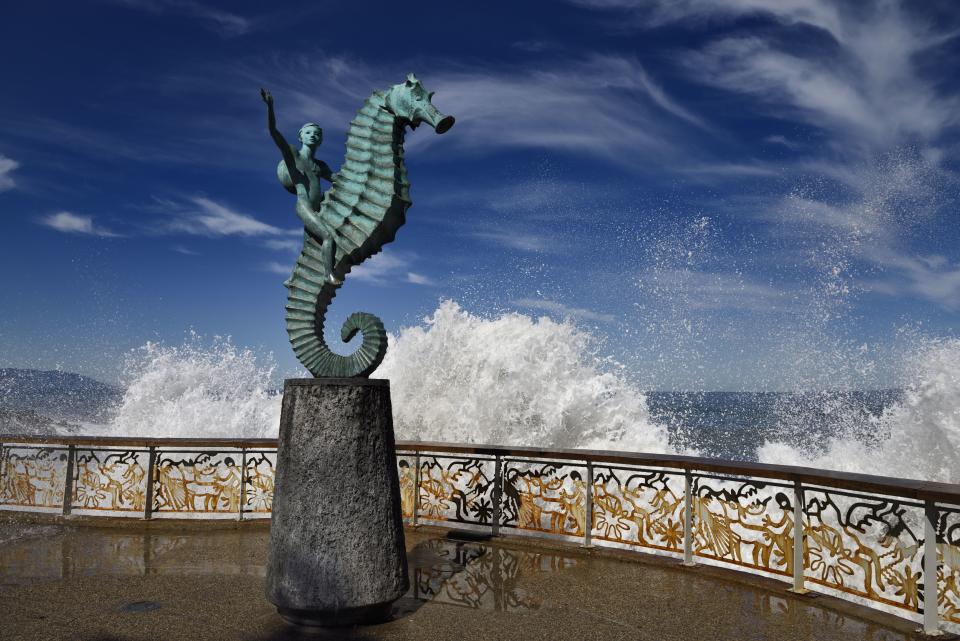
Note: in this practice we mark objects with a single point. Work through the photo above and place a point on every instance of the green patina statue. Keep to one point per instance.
(362, 211)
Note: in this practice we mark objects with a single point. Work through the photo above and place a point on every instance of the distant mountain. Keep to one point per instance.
(61, 396)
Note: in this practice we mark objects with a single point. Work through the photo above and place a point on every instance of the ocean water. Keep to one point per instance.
(519, 380)
(733, 425)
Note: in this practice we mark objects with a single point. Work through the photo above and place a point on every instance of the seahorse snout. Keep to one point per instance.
(437, 120)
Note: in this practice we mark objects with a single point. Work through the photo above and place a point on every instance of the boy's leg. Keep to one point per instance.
(320, 229)
(329, 251)
(311, 219)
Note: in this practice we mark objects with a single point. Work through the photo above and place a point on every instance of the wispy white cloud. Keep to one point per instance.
(278, 268)
(524, 241)
(882, 200)
(658, 12)
(541, 198)
(283, 244)
(7, 166)
(782, 140)
(379, 268)
(868, 89)
(931, 277)
(753, 169)
(389, 266)
(606, 106)
(602, 106)
(419, 279)
(70, 223)
(218, 20)
(810, 217)
(870, 76)
(210, 218)
(180, 249)
(564, 311)
(864, 239)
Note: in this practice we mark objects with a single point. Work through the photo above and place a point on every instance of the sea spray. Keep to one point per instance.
(918, 437)
(198, 390)
(519, 380)
(512, 380)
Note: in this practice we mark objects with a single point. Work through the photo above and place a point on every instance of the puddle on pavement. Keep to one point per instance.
(455, 572)
(61, 552)
(474, 575)
(451, 571)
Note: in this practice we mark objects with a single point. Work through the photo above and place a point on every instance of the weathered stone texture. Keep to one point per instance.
(336, 536)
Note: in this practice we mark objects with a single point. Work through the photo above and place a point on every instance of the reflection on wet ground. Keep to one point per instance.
(464, 573)
(44, 553)
(475, 575)
(85, 583)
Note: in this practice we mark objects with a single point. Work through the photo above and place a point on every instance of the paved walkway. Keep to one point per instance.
(161, 581)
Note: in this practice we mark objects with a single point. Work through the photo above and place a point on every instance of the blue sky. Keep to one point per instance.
(734, 194)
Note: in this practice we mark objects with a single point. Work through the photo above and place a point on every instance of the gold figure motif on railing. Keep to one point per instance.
(538, 497)
(32, 477)
(451, 489)
(408, 486)
(948, 569)
(105, 480)
(744, 524)
(864, 546)
(209, 482)
(637, 507)
(258, 482)
(948, 578)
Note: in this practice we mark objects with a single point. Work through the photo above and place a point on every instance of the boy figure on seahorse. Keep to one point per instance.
(360, 213)
(300, 173)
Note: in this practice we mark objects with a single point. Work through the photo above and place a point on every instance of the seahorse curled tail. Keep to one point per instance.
(309, 296)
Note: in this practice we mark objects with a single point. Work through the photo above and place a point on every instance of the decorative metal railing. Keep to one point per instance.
(871, 539)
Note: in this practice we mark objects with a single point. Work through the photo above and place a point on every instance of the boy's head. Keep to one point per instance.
(311, 134)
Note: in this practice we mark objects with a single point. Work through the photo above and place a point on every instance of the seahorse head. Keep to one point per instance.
(411, 102)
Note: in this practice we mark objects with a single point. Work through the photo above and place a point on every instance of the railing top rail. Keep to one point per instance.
(147, 441)
(904, 488)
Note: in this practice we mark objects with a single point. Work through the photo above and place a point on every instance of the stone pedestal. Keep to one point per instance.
(337, 553)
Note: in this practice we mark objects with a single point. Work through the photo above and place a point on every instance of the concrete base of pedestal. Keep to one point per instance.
(337, 553)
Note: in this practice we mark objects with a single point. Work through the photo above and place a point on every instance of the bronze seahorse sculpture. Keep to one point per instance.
(351, 222)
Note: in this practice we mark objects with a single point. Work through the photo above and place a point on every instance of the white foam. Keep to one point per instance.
(916, 438)
(512, 380)
(458, 378)
(519, 380)
(198, 390)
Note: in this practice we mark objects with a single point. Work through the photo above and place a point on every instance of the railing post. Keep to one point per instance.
(799, 538)
(68, 480)
(931, 587)
(243, 484)
(3, 458)
(151, 472)
(588, 523)
(416, 490)
(688, 519)
(497, 495)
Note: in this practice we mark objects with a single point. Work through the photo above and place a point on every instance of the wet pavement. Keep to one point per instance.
(173, 582)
